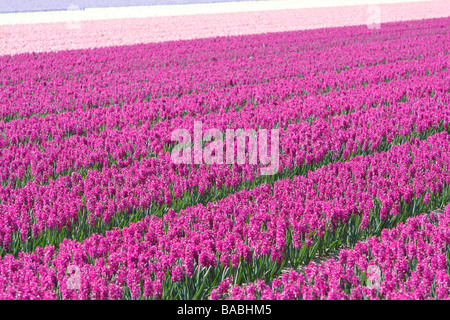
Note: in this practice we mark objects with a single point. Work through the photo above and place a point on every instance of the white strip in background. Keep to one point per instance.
(72, 14)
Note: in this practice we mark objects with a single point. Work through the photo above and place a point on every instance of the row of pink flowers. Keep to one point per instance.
(242, 228)
(135, 185)
(52, 145)
(407, 262)
(100, 195)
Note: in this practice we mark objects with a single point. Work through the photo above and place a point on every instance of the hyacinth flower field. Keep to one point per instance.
(309, 164)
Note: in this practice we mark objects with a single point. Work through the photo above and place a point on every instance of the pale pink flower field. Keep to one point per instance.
(46, 37)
